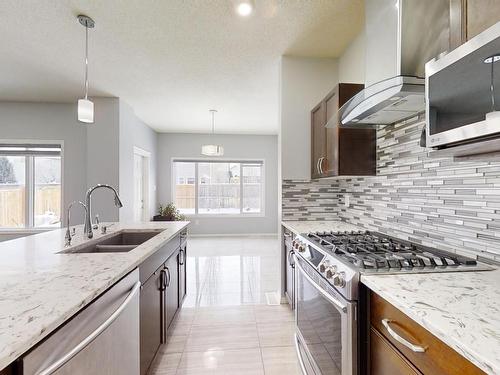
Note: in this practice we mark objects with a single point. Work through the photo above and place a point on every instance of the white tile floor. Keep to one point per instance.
(225, 325)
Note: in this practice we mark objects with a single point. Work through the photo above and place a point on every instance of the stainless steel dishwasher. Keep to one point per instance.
(103, 338)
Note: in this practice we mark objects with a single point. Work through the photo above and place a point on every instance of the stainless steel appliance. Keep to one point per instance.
(460, 92)
(328, 267)
(101, 339)
(395, 53)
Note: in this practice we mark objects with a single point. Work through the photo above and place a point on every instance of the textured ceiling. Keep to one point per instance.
(171, 60)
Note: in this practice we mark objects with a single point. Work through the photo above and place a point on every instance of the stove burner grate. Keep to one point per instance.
(372, 250)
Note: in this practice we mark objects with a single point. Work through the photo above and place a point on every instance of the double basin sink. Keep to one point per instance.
(120, 242)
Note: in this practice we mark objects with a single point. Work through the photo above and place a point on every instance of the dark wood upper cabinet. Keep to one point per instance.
(337, 151)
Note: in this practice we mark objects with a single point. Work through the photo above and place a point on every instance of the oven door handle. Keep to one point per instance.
(299, 355)
(334, 301)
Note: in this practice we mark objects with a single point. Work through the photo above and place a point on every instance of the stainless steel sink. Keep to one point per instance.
(121, 242)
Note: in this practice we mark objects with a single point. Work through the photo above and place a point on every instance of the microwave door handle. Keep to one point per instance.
(334, 301)
(90, 338)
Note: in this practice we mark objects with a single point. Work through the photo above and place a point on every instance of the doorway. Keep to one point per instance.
(141, 184)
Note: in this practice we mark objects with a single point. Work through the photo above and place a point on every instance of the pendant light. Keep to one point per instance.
(211, 149)
(85, 106)
(493, 117)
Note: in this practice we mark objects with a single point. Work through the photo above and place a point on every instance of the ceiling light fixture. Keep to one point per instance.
(85, 106)
(493, 117)
(211, 149)
(244, 7)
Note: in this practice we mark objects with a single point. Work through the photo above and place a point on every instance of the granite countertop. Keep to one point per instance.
(460, 308)
(40, 289)
(299, 227)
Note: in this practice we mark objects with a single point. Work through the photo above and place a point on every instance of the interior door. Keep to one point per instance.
(138, 187)
(172, 298)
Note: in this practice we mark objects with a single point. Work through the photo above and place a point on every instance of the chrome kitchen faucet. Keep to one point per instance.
(88, 224)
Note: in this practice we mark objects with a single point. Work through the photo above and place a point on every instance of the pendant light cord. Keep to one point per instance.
(492, 85)
(86, 61)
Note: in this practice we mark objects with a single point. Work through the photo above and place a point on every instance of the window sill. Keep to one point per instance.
(227, 216)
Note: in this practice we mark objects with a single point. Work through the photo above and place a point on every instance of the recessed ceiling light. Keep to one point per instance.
(244, 8)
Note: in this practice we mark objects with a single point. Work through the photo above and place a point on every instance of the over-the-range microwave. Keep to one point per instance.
(459, 93)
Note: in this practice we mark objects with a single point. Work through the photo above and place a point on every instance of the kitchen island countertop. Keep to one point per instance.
(40, 289)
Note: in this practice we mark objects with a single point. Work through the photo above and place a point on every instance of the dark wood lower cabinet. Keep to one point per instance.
(172, 292)
(436, 358)
(182, 273)
(162, 292)
(385, 360)
(150, 319)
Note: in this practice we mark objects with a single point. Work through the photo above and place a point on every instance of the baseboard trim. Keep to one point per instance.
(235, 235)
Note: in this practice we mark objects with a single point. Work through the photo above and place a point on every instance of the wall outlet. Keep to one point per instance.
(347, 200)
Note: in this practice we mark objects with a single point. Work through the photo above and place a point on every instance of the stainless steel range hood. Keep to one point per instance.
(400, 36)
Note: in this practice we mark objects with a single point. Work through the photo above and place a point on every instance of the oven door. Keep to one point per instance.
(326, 331)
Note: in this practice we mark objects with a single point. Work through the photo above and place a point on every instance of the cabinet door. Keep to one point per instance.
(384, 359)
(182, 273)
(150, 313)
(481, 14)
(330, 164)
(318, 139)
(172, 292)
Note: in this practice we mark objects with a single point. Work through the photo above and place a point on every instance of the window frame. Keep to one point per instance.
(241, 161)
(30, 187)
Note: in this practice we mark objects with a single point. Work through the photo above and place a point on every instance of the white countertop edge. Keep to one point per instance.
(467, 352)
(21, 347)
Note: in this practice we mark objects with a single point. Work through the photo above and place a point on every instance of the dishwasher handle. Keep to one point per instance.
(90, 338)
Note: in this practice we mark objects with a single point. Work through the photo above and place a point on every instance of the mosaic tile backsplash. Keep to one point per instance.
(441, 202)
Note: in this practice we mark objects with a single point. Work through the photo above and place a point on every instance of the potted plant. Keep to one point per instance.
(168, 213)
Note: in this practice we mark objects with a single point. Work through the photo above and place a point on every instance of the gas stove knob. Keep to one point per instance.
(331, 272)
(323, 266)
(339, 279)
(302, 248)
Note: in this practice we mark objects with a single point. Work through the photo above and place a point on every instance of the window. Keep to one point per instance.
(218, 187)
(30, 186)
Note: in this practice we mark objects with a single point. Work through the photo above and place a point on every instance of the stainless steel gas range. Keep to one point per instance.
(328, 266)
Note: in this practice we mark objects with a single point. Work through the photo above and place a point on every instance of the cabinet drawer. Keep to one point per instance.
(385, 359)
(438, 358)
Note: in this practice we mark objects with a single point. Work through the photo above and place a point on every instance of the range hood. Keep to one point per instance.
(400, 36)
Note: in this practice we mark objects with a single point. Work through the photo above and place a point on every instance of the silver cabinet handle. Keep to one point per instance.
(290, 259)
(181, 256)
(90, 338)
(163, 280)
(321, 165)
(402, 340)
(317, 166)
(168, 279)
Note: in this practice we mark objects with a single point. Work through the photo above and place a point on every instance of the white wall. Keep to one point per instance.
(133, 132)
(304, 82)
(352, 61)
(103, 156)
(51, 122)
(235, 147)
